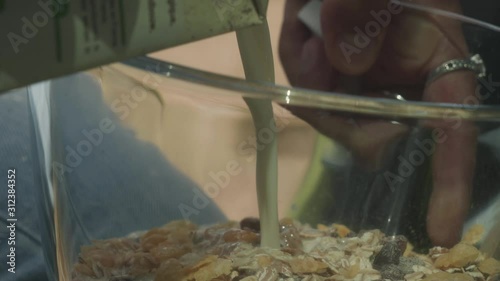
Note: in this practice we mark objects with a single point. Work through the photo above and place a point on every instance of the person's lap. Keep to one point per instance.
(123, 184)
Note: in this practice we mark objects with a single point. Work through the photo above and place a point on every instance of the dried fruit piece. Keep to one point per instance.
(459, 256)
(171, 270)
(342, 230)
(301, 265)
(322, 227)
(252, 224)
(290, 237)
(409, 249)
(141, 263)
(264, 260)
(489, 266)
(390, 253)
(209, 268)
(169, 251)
(176, 232)
(474, 234)
(392, 272)
(152, 241)
(101, 257)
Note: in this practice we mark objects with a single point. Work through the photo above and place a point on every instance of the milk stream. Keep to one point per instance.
(257, 58)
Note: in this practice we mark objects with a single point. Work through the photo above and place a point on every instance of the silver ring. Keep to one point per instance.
(473, 63)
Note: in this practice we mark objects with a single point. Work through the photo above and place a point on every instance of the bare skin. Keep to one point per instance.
(398, 57)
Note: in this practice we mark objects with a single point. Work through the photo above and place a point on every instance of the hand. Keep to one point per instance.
(399, 56)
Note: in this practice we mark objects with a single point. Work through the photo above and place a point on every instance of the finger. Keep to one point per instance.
(292, 38)
(344, 24)
(453, 161)
(453, 170)
(410, 44)
(368, 143)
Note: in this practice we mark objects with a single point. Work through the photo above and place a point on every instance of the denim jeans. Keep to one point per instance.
(123, 185)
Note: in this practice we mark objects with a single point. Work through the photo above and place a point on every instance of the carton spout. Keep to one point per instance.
(47, 39)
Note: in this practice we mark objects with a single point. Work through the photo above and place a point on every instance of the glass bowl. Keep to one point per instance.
(189, 152)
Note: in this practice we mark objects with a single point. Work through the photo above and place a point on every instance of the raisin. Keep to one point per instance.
(390, 253)
(290, 235)
(392, 272)
(252, 224)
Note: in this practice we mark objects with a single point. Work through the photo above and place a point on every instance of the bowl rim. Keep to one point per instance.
(291, 96)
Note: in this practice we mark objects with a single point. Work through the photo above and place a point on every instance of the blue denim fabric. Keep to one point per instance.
(123, 185)
(16, 152)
